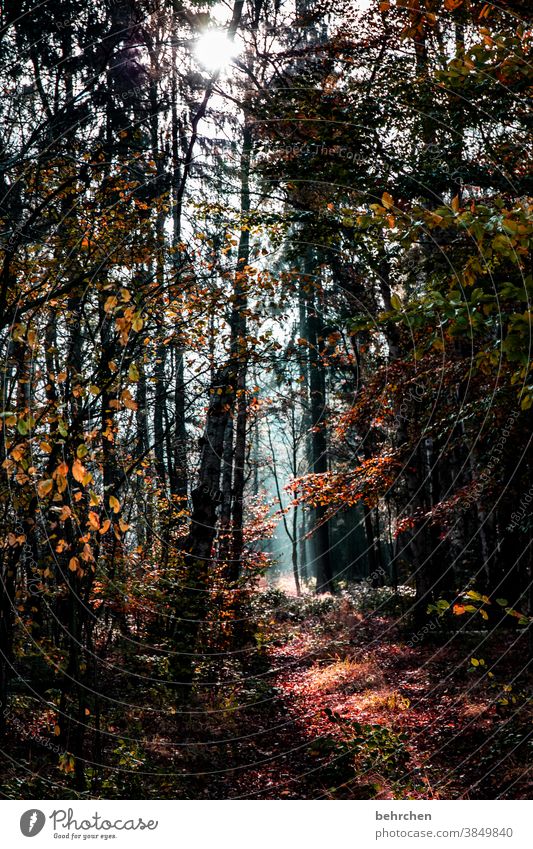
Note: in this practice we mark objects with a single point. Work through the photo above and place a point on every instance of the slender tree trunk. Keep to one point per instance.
(318, 439)
(239, 353)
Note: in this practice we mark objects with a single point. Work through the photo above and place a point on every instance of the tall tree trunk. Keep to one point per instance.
(190, 605)
(318, 438)
(239, 353)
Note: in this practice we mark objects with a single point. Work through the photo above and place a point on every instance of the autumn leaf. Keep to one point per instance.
(114, 503)
(128, 401)
(74, 564)
(78, 471)
(87, 553)
(110, 303)
(17, 453)
(45, 487)
(387, 200)
(61, 471)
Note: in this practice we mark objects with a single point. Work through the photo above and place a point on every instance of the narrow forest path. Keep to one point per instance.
(427, 726)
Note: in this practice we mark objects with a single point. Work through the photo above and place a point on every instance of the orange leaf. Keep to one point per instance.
(44, 487)
(128, 401)
(78, 471)
(387, 200)
(73, 564)
(87, 553)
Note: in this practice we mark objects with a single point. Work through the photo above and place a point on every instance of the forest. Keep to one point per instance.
(266, 399)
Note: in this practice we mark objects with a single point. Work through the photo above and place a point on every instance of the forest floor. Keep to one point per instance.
(332, 702)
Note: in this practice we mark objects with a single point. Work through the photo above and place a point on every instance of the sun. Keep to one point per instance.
(214, 50)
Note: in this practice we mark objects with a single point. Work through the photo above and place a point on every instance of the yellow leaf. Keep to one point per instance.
(73, 564)
(123, 525)
(105, 526)
(455, 204)
(94, 520)
(114, 503)
(57, 730)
